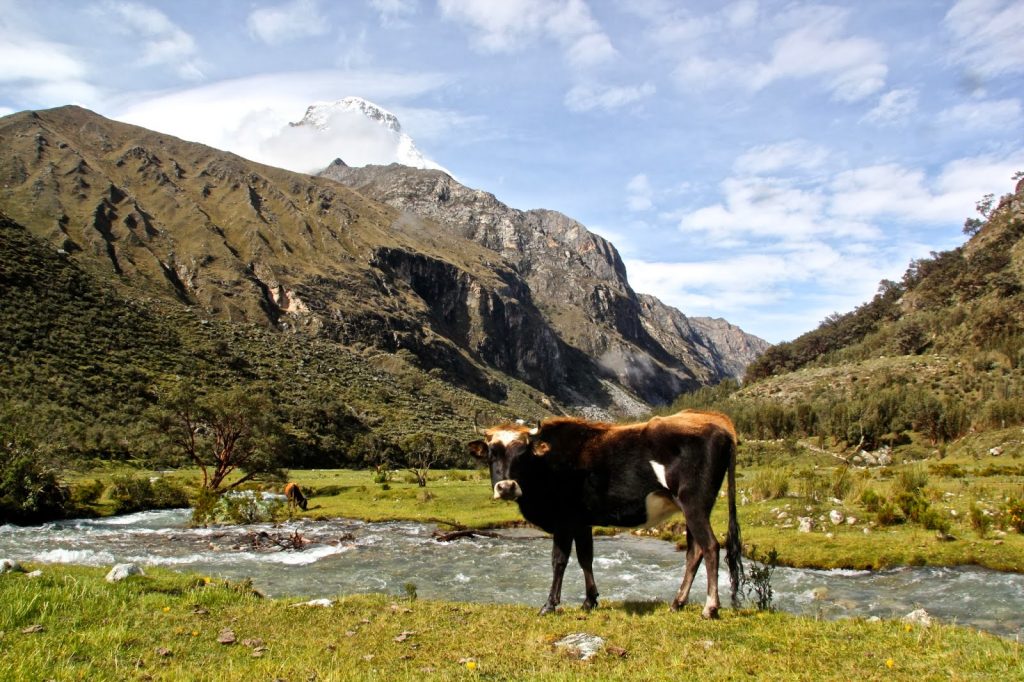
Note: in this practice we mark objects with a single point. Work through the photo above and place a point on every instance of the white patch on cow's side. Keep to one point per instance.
(659, 472)
(659, 507)
(506, 438)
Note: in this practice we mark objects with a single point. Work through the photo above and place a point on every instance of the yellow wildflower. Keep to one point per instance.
(890, 663)
(470, 665)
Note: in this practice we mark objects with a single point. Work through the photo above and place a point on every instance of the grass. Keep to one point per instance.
(165, 626)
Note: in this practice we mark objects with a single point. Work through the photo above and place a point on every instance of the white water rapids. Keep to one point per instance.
(347, 557)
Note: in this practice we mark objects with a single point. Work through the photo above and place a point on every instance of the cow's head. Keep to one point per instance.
(506, 449)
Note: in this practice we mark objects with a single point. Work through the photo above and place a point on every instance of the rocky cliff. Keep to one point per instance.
(577, 278)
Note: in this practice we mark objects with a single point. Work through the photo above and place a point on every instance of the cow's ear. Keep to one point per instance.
(540, 448)
(478, 449)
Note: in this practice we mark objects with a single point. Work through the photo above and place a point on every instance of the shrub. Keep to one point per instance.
(911, 480)
(757, 582)
(132, 493)
(871, 500)
(1013, 512)
(980, 521)
(888, 514)
(168, 495)
(770, 484)
(88, 492)
(29, 490)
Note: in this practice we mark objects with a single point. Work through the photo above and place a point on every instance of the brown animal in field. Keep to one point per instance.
(568, 475)
(295, 497)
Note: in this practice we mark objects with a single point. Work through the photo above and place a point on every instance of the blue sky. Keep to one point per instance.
(765, 162)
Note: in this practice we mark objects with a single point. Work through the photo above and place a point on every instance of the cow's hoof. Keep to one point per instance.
(709, 613)
(589, 604)
(548, 608)
(676, 605)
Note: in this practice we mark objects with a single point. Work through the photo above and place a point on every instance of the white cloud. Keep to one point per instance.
(589, 97)
(163, 42)
(1001, 114)
(813, 47)
(893, 107)
(242, 115)
(27, 58)
(796, 154)
(639, 195)
(511, 26)
(987, 35)
(742, 14)
(285, 23)
(394, 12)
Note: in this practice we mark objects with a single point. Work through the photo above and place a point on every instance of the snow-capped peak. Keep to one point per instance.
(361, 133)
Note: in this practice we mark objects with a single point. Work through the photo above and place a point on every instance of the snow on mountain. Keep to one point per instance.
(353, 129)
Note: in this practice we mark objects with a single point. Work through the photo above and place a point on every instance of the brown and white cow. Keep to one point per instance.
(568, 475)
(294, 495)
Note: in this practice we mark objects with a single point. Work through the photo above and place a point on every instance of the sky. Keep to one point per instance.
(765, 162)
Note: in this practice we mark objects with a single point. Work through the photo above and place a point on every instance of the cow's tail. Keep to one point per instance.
(733, 543)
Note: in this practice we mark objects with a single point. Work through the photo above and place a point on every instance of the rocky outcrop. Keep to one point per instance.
(577, 278)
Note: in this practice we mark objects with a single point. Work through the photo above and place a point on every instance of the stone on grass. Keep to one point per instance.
(580, 645)
(121, 571)
(806, 524)
(836, 517)
(918, 617)
(10, 566)
(322, 603)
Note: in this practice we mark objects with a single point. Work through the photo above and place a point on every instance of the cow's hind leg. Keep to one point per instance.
(585, 556)
(561, 548)
(694, 555)
(698, 524)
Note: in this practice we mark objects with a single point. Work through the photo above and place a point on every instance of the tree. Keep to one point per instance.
(223, 432)
(420, 452)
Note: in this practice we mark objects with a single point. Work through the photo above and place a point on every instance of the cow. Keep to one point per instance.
(568, 475)
(295, 497)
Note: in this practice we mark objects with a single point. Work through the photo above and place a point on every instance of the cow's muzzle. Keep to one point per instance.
(507, 490)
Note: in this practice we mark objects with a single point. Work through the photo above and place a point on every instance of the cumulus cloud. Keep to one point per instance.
(285, 23)
(986, 35)
(589, 97)
(242, 115)
(394, 12)
(163, 43)
(812, 43)
(983, 115)
(512, 25)
(893, 107)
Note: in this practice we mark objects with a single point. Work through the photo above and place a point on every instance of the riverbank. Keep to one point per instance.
(69, 623)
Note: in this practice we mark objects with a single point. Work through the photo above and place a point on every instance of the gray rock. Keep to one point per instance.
(836, 517)
(806, 524)
(918, 617)
(580, 645)
(121, 571)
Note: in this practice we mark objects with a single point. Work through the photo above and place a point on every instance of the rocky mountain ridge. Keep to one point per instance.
(248, 243)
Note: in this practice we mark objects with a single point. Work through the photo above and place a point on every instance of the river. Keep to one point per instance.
(347, 557)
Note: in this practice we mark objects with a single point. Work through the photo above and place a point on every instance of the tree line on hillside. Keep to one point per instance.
(958, 301)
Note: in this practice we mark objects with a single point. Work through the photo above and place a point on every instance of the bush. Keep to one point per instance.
(88, 492)
(871, 500)
(770, 484)
(1013, 512)
(131, 494)
(30, 492)
(888, 514)
(758, 580)
(168, 495)
(980, 521)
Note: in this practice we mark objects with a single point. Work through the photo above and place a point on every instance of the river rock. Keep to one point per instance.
(806, 524)
(121, 571)
(918, 617)
(10, 566)
(580, 645)
(34, 574)
(996, 451)
(836, 517)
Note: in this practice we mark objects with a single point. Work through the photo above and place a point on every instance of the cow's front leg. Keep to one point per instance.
(561, 547)
(585, 555)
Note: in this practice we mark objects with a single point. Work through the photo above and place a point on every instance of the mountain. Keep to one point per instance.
(929, 359)
(352, 128)
(576, 278)
(531, 311)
